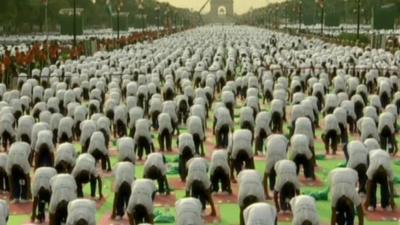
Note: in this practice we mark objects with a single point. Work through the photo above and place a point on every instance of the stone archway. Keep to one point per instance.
(222, 11)
(221, 8)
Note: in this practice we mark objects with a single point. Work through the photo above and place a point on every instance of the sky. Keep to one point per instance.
(240, 6)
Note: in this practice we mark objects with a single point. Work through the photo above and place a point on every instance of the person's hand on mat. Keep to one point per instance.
(393, 205)
(213, 213)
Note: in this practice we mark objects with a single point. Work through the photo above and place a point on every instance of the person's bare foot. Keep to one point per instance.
(213, 214)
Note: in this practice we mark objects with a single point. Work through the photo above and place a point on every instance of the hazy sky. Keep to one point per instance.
(240, 6)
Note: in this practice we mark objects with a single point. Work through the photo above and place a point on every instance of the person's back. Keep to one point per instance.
(81, 212)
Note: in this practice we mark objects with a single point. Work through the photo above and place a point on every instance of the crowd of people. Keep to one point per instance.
(23, 58)
(147, 89)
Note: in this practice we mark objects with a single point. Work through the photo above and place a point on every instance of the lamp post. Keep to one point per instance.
(46, 21)
(74, 23)
(300, 13)
(157, 9)
(345, 11)
(141, 9)
(286, 15)
(322, 6)
(118, 11)
(358, 18)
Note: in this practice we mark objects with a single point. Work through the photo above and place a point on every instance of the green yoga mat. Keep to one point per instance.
(318, 195)
(160, 217)
(173, 170)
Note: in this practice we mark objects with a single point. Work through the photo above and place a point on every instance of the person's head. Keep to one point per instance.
(306, 222)
(81, 222)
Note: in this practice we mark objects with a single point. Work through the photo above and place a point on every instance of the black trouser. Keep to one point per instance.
(219, 175)
(308, 165)
(55, 133)
(185, 156)
(85, 146)
(26, 138)
(142, 144)
(352, 124)
(84, 177)
(260, 141)
(230, 107)
(63, 167)
(4, 186)
(19, 182)
(242, 157)
(106, 136)
(247, 201)
(276, 122)
(182, 115)
(198, 144)
(43, 198)
(120, 128)
(141, 215)
(7, 139)
(385, 99)
(320, 100)
(222, 136)
(154, 119)
(247, 125)
(197, 190)
(362, 177)
(287, 192)
(345, 212)
(387, 137)
(43, 157)
(381, 179)
(154, 173)
(358, 109)
(272, 178)
(331, 139)
(268, 96)
(165, 137)
(60, 215)
(105, 159)
(124, 192)
(110, 114)
(343, 134)
(77, 130)
(64, 138)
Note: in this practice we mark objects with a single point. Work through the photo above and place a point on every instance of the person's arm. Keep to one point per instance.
(214, 124)
(166, 185)
(265, 184)
(211, 201)
(367, 201)
(28, 179)
(131, 219)
(333, 216)
(313, 159)
(360, 213)
(34, 206)
(392, 195)
(100, 183)
(114, 208)
(276, 201)
(231, 169)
